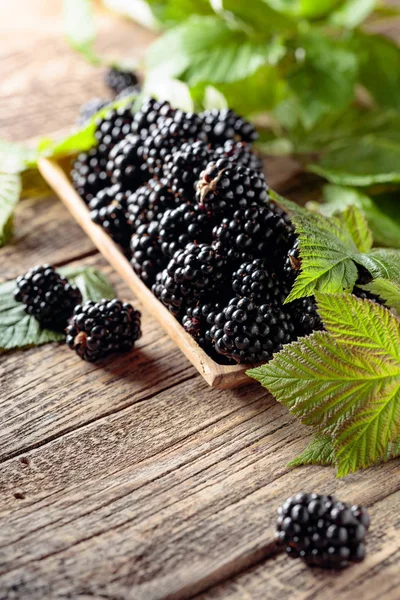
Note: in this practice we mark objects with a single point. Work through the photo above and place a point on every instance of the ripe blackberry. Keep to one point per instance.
(151, 113)
(322, 531)
(126, 165)
(292, 264)
(182, 169)
(147, 259)
(184, 224)
(365, 295)
(240, 153)
(225, 124)
(198, 320)
(261, 231)
(305, 316)
(256, 281)
(225, 186)
(98, 329)
(47, 296)
(117, 80)
(90, 108)
(108, 209)
(247, 333)
(197, 269)
(89, 174)
(113, 128)
(168, 292)
(149, 202)
(168, 136)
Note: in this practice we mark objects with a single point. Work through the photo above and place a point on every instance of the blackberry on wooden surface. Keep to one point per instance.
(240, 153)
(108, 209)
(89, 174)
(225, 124)
(90, 108)
(118, 80)
(258, 282)
(149, 202)
(112, 128)
(184, 224)
(182, 169)
(224, 187)
(126, 165)
(322, 531)
(47, 296)
(147, 259)
(98, 329)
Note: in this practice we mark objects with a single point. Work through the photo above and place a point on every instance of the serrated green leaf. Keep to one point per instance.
(387, 290)
(93, 284)
(318, 452)
(356, 224)
(352, 13)
(10, 190)
(79, 28)
(381, 262)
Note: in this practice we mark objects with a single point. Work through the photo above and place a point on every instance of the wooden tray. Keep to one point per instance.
(216, 375)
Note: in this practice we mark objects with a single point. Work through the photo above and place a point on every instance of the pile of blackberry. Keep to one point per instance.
(185, 197)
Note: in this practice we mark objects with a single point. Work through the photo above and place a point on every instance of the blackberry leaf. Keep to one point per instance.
(318, 452)
(387, 290)
(93, 284)
(381, 262)
(356, 223)
(10, 190)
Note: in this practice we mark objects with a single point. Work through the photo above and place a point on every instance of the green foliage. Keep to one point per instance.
(19, 330)
(10, 190)
(386, 289)
(345, 382)
(318, 452)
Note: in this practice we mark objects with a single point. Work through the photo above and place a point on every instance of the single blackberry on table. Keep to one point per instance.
(147, 259)
(305, 316)
(225, 124)
(224, 187)
(197, 269)
(98, 329)
(149, 202)
(322, 531)
(126, 165)
(118, 80)
(168, 136)
(108, 209)
(151, 113)
(89, 174)
(90, 108)
(182, 169)
(47, 296)
(240, 153)
(112, 128)
(168, 292)
(259, 283)
(184, 224)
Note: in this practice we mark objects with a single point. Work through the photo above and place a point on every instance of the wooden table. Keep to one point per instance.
(135, 480)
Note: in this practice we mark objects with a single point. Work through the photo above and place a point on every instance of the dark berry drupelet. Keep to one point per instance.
(256, 281)
(322, 531)
(168, 292)
(182, 169)
(225, 124)
(113, 128)
(182, 225)
(240, 153)
(117, 80)
(151, 113)
(90, 108)
(98, 329)
(108, 209)
(198, 320)
(147, 259)
(225, 186)
(126, 165)
(47, 296)
(89, 174)
(149, 202)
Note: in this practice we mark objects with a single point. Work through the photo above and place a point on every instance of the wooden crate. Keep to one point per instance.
(216, 375)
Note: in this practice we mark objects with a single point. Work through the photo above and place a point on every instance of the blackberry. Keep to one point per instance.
(147, 259)
(126, 165)
(292, 264)
(225, 124)
(182, 169)
(366, 295)
(240, 153)
(198, 320)
(225, 186)
(113, 128)
(261, 231)
(151, 113)
(197, 269)
(98, 329)
(254, 280)
(108, 209)
(168, 136)
(90, 108)
(47, 296)
(305, 316)
(184, 224)
(117, 80)
(247, 333)
(149, 202)
(89, 174)
(168, 292)
(322, 531)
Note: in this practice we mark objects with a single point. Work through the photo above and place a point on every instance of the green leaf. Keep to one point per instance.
(10, 190)
(176, 92)
(15, 157)
(309, 9)
(352, 13)
(385, 228)
(381, 262)
(386, 289)
(318, 452)
(356, 223)
(257, 15)
(214, 98)
(93, 284)
(80, 29)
